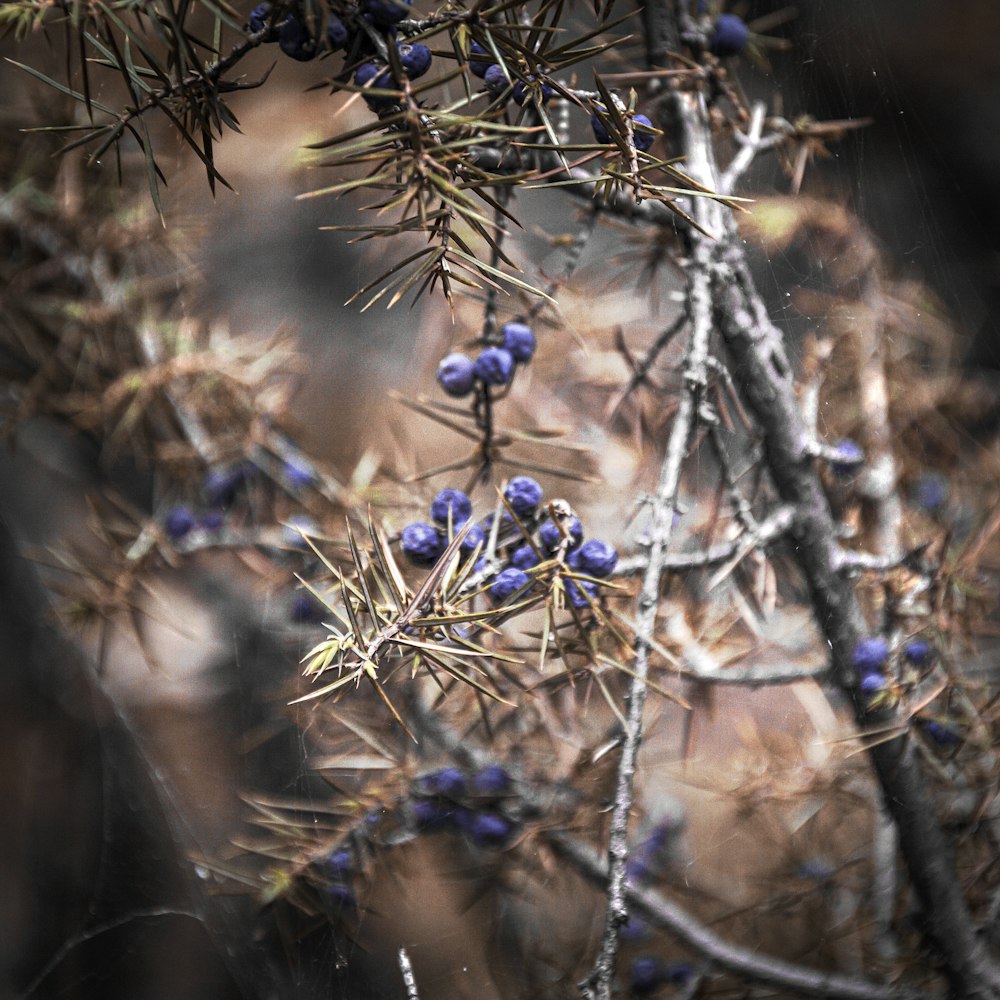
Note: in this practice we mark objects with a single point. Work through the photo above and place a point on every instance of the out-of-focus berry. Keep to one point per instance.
(298, 473)
(494, 366)
(524, 494)
(422, 543)
(849, 460)
(645, 975)
(340, 897)
(870, 654)
(489, 829)
(729, 36)
(178, 522)
(448, 781)
(519, 339)
(306, 609)
(943, 735)
(491, 780)
(340, 863)
(578, 591)
(931, 491)
(508, 581)
(220, 486)
(211, 520)
(452, 500)
(475, 536)
(457, 374)
(919, 652)
(873, 683)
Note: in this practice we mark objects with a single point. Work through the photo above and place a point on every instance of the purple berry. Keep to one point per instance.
(635, 929)
(416, 58)
(220, 486)
(370, 75)
(258, 21)
(306, 609)
(872, 683)
(495, 79)
(595, 558)
(677, 973)
(449, 781)
(340, 863)
(551, 537)
(457, 374)
(295, 40)
(729, 36)
(211, 520)
(337, 35)
(494, 366)
(477, 64)
(942, 735)
(870, 655)
(523, 91)
(849, 460)
(475, 536)
(638, 871)
(524, 557)
(519, 339)
(387, 12)
(454, 501)
(578, 591)
(931, 491)
(178, 522)
(508, 581)
(919, 653)
(645, 975)
(489, 829)
(524, 495)
(642, 140)
(422, 543)
(601, 133)
(491, 780)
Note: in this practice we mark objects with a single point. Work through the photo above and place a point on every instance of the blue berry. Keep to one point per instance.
(523, 91)
(729, 36)
(371, 75)
(508, 581)
(387, 12)
(295, 40)
(422, 543)
(448, 781)
(524, 494)
(340, 863)
(220, 486)
(872, 683)
(475, 536)
(595, 558)
(452, 500)
(416, 58)
(306, 609)
(578, 590)
(211, 520)
(178, 522)
(491, 780)
(457, 374)
(638, 870)
(495, 79)
(677, 973)
(642, 140)
(494, 366)
(258, 21)
(635, 929)
(601, 134)
(870, 655)
(850, 459)
(919, 653)
(524, 557)
(931, 491)
(645, 975)
(551, 537)
(519, 339)
(489, 829)
(477, 64)
(337, 35)
(942, 735)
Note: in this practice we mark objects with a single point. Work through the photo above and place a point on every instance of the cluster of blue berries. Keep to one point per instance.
(459, 374)
(293, 35)
(219, 490)
(478, 805)
(551, 534)
(871, 658)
